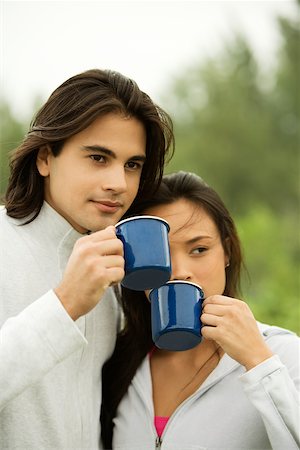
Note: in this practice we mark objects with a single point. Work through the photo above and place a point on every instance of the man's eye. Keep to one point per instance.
(98, 158)
(133, 165)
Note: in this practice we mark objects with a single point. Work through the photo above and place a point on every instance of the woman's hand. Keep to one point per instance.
(231, 324)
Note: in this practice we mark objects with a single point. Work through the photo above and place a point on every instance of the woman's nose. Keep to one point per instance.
(180, 272)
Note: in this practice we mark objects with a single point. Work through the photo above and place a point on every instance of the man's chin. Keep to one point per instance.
(101, 224)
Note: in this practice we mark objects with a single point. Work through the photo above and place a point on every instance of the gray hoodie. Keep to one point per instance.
(232, 410)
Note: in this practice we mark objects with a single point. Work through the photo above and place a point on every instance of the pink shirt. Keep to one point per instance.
(160, 423)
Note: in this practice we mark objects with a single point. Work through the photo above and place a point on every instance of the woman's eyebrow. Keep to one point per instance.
(198, 238)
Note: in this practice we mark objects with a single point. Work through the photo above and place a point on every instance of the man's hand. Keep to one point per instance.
(96, 262)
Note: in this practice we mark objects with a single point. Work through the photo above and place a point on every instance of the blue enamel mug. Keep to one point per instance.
(175, 315)
(146, 251)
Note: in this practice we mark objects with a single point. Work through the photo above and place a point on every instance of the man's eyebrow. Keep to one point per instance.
(111, 153)
(100, 149)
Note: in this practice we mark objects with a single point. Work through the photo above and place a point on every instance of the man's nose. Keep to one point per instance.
(115, 180)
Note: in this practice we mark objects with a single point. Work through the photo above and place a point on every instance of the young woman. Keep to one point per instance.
(238, 389)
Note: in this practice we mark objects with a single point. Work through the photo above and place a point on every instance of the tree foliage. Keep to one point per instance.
(272, 255)
(241, 135)
(11, 134)
(237, 126)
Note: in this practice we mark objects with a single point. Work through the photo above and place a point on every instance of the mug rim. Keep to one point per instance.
(177, 282)
(143, 217)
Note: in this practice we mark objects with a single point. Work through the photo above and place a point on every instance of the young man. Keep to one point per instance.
(97, 144)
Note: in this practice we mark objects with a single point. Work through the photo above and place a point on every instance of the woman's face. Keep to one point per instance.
(197, 253)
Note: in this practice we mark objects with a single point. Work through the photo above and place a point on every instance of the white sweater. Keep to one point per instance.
(50, 366)
(232, 410)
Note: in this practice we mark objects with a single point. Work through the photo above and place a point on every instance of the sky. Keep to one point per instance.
(152, 41)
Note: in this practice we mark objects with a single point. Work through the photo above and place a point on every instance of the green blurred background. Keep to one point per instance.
(237, 125)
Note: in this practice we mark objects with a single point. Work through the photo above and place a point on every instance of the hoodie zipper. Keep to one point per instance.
(158, 443)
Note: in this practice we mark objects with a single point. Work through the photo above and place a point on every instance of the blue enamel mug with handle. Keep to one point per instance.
(146, 251)
(176, 308)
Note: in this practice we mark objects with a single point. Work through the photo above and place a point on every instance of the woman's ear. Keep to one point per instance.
(43, 160)
(227, 251)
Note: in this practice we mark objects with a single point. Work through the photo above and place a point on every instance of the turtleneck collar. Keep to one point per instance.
(50, 232)
(53, 227)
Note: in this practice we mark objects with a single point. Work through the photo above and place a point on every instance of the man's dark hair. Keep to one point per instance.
(71, 108)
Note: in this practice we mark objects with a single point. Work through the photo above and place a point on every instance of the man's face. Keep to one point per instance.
(95, 178)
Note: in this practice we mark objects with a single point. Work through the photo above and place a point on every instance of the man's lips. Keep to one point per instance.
(107, 206)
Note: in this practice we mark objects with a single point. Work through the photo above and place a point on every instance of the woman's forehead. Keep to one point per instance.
(185, 216)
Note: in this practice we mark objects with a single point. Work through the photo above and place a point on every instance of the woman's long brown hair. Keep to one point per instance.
(134, 341)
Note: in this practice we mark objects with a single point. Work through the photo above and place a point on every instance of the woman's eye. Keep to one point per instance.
(98, 158)
(199, 250)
